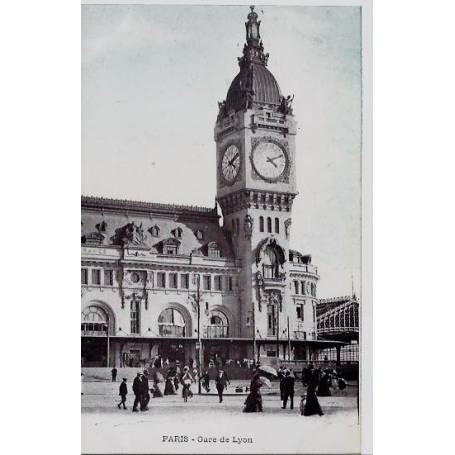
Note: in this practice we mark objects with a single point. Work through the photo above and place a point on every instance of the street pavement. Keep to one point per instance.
(202, 425)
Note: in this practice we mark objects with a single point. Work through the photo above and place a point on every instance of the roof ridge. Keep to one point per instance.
(128, 203)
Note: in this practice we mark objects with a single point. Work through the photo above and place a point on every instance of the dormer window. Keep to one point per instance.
(214, 250)
(177, 233)
(169, 246)
(154, 231)
(199, 234)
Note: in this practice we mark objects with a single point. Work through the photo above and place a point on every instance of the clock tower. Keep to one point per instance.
(256, 185)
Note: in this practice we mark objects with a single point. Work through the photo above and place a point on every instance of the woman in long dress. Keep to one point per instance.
(253, 402)
(312, 405)
(169, 387)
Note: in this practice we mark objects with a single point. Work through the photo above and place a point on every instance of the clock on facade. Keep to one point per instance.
(230, 164)
(269, 160)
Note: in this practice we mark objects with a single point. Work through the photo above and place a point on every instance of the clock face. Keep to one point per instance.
(269, 160)
(230, 164)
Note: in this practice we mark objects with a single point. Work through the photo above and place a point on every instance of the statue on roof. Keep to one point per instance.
(286, 105)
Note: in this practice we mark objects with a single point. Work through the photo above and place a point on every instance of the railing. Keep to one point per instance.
(338, 329)
(170, 330)
(299, 267)
(216, 331)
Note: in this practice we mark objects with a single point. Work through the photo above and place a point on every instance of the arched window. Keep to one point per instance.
(261, 224)
(269, 224)
(218, 325)
(277, 226)
(171, 323)
(94, 321)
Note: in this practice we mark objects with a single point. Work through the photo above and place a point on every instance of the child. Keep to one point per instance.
(123, 391)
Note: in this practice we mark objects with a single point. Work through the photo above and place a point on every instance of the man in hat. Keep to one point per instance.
(288, 389)
(221, 382)
(123, 391)
(137, 390)
(145, 391)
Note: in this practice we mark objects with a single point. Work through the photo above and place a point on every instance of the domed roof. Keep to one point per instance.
(263, 85)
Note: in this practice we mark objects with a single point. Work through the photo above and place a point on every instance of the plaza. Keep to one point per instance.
(107, 429)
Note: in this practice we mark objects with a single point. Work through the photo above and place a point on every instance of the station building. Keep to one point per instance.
(184, 281)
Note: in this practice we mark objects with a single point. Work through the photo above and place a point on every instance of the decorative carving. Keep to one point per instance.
(130, 234)
(259, 289)
(275, 298)
(248, 226)
(287, 227)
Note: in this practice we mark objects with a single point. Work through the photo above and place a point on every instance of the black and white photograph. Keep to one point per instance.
(221, 228)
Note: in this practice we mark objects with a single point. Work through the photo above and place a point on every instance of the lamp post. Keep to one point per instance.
(197, 281)
(107, 340)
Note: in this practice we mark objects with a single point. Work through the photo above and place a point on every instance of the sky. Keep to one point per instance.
(152, 76)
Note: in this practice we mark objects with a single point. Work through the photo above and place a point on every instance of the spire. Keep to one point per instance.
(253, 51)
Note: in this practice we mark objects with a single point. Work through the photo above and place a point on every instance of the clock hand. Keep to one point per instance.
(231, 162)
(269, 160)
(273, 159)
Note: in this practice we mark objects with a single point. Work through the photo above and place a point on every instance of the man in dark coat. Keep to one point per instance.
(145, 391)
(123, 391)
(288, 389)
(137, 390)
(221, 382)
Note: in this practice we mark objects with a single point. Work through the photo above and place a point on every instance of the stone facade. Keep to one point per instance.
(151, 272)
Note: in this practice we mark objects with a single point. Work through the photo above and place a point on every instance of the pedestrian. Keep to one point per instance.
(123, 391)
(288, 389)
(114, 374)
(312, 405)
(169, 386)
(221, 382)
(145, 391)
(205, 381)
(253, 402)
(280, 374)
(324, 384)
(137, 390)
(187, 380)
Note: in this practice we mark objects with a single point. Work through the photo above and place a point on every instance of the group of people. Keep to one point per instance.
(316, 381)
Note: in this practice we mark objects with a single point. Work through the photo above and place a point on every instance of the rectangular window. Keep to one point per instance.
(173, 280)
(302, 283)
(296, 287)
(96, 276)
(207, 283)
(299, 309)
(161, 280)
(84, 276)
(218, 283)
(108, 277)
(184, 280)
(229, 283)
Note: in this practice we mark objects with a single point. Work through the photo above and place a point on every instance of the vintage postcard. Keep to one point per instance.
(221, 228)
